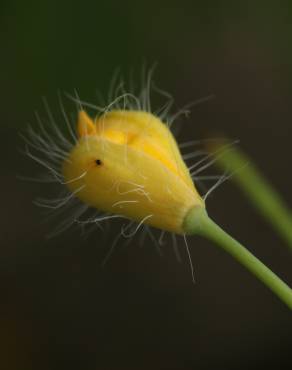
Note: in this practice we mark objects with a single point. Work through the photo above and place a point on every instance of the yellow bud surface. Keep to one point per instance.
(128, 163)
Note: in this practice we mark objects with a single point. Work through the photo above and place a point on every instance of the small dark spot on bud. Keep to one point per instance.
(98, 162)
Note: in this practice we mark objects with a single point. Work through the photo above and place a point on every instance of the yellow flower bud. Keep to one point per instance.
(128, 163)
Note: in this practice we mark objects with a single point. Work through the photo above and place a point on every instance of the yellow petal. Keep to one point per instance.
(85, 126)
(140, 173)
(147, 133)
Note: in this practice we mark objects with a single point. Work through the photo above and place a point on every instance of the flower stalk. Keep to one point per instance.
(258, 190)
(198, 222)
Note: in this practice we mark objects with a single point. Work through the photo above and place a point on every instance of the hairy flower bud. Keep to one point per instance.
(128, 163)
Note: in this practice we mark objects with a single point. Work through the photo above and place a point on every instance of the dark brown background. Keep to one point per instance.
(59, 309)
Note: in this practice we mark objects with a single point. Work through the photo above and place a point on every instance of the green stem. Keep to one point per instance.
(198, 222)
(259, 191)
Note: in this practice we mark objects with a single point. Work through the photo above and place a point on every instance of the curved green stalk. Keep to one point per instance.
(198, 222)
(259, 191)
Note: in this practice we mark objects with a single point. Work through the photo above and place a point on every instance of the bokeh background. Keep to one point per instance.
(59, 309)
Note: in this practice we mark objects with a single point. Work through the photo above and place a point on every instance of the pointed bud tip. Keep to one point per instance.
(85, 125)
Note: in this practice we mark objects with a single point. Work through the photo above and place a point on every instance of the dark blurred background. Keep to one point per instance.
(59, 309)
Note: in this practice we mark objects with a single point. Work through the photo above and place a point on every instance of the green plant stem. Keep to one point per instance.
(198, 222)
(259, 191)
